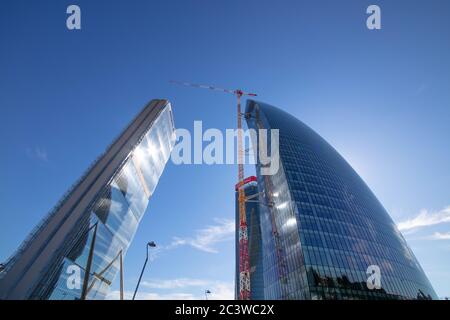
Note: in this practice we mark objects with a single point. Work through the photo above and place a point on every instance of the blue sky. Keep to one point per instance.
(380, 98)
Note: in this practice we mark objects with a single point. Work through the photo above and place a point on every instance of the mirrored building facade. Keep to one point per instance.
(77, 250)
(322, 227)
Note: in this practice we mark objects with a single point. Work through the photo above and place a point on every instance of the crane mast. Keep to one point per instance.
(244, 260)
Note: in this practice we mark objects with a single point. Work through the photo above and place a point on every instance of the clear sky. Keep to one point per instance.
(381, 98)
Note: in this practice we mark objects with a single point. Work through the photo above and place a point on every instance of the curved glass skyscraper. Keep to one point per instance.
(322, 227)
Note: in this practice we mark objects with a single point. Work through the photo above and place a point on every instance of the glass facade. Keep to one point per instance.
(322, 227)
(97, 241)
(254, 241)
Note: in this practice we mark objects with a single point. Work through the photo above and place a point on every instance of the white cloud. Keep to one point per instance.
(222, 291)
(425, 219)
(174, 283)
(115, 295)
(37, 153)
(192, 289)
(206, 238)
(440, 236)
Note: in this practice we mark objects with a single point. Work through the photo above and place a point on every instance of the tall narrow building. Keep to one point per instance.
(254, 239)
(322, 228)
(76, 251)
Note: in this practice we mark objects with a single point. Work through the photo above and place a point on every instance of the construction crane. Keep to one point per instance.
(244, 260)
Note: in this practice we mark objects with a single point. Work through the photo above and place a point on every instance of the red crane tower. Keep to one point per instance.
(244, 260)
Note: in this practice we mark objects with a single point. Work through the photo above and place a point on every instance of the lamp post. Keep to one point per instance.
(150, 244)
(206, 294)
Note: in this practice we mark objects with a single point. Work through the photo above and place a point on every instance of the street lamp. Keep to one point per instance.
(206, 294)
(150, 244)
